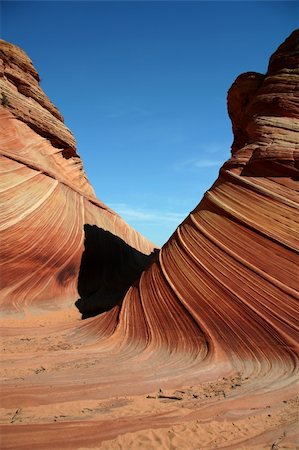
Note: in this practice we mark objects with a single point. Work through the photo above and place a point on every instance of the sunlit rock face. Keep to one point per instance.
(264, 114)
(227, 280)
(50, 213)
(218, 303)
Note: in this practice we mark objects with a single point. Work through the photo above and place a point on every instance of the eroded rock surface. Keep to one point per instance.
(50, 212)
(203, 349)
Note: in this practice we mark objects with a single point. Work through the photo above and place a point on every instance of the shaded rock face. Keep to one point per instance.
(220, 298)
(108, 268)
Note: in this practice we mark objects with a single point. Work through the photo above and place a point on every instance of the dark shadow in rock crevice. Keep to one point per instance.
(109, 266)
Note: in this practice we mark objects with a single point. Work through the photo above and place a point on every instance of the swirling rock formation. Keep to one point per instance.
(50, 207)
(217, 308)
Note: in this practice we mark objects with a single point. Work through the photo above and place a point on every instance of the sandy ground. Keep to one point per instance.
(201, 415)
(228, 412)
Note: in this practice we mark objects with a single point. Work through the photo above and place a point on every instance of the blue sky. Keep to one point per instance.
(143, 87)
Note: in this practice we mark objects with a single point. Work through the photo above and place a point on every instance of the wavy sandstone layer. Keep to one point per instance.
(50, 211)
(212, 325)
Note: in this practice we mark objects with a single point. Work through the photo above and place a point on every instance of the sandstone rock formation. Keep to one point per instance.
(214, 316)
(49, 205)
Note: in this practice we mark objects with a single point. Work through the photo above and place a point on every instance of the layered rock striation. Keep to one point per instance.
(50, 212)
(225, 285)
(218, 303)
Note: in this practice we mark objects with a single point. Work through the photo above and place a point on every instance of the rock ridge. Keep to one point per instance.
(49, 204)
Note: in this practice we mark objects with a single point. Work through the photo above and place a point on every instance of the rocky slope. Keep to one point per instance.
(50, 212)
(210, 330)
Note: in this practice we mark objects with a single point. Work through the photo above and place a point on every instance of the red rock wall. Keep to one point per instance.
(47, 198)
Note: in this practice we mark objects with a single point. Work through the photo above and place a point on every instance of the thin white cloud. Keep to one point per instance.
(199, 163)
(214, 148)
(203, 163)
(143, 215)
(210, 155)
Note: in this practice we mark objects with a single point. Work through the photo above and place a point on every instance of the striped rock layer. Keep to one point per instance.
(219, 301)
(49, 207)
